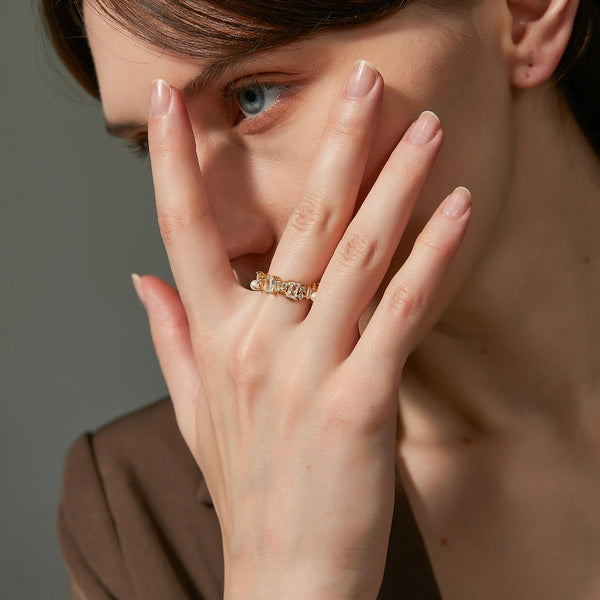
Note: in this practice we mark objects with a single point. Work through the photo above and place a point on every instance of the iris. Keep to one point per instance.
(253, 100)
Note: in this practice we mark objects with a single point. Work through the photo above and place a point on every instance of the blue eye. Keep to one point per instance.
(254, 99)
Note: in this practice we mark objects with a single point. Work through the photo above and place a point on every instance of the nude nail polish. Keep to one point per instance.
(457, 203)
(160, 98)
(423, 130)
(137, 284)
(361, 80)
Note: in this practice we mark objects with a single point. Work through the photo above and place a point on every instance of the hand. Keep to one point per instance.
(289, 412)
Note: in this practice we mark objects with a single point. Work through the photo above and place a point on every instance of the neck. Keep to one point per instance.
(521, 339)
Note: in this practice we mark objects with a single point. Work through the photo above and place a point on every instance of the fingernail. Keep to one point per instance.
(457, 203)
(423, 130)
(361, 80)
(160, 98)
(137, 284)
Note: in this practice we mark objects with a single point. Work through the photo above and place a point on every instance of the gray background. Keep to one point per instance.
(76, 218)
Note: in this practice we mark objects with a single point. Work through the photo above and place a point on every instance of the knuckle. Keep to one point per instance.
(175, 222)
(344, 124)
(431, 242)
(407, 165)
(359, 250)
(173, 225)
(313, 216)
(404, 302)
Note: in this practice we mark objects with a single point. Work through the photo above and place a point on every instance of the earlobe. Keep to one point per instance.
(540, 33)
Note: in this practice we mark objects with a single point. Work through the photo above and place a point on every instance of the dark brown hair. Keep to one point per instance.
(222, 29)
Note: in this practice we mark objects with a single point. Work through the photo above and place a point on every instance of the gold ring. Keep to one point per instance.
(271, 284)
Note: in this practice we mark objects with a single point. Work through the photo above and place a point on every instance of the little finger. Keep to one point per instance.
(407, 302)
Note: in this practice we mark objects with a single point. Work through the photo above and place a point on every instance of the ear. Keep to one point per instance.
(540, 33)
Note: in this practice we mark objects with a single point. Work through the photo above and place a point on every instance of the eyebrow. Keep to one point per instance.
(207, 77)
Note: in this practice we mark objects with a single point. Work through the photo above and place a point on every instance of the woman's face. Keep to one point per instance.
(258, 124)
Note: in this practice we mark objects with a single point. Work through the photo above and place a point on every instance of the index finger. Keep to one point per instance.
(196, 251)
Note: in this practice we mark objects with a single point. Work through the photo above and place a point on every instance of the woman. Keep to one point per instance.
(420, 368)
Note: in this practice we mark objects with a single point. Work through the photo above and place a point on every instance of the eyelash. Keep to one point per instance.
(139, 148)
(229, 99)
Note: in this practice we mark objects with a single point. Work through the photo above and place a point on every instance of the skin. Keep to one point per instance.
(494, 350)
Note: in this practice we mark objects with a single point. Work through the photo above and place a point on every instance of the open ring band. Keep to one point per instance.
(271, 284)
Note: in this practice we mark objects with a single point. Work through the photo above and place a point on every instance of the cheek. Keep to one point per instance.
(469, 91)
(444, 67)
(278, 165)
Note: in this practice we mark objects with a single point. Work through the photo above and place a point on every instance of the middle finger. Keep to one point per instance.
(329, 197)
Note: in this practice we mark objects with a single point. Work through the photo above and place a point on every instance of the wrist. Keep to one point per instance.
(278, 579)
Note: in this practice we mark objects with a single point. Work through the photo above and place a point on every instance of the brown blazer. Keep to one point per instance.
(136, 521)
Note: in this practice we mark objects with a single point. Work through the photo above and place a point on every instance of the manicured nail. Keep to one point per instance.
(361, 80)
(160, 98)
(137, 284)
(423, 130)
(457, 203)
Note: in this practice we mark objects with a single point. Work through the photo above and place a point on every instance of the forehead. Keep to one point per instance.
(126, 66)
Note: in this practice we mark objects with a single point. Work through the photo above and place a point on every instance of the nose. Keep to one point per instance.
(238, 208)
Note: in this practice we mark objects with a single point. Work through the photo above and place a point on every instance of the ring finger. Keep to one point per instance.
(365, 252)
